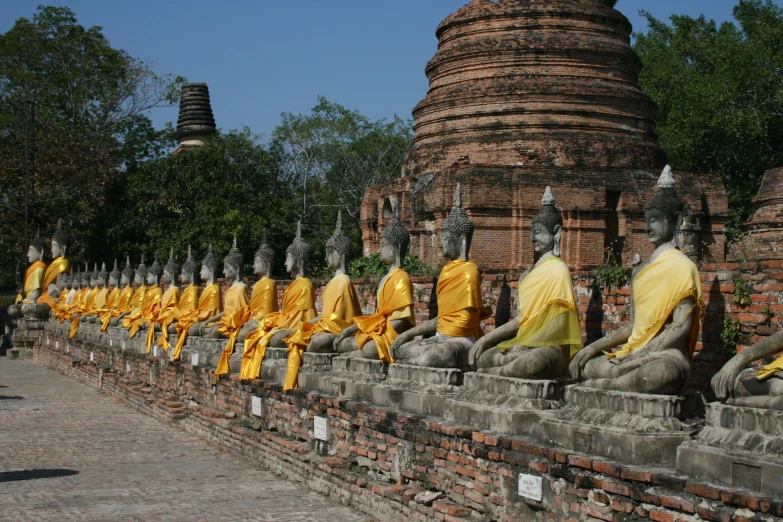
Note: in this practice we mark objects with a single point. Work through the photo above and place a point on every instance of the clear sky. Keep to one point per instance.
(263, 57)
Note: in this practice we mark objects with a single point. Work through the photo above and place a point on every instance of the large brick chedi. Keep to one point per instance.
(525, 94)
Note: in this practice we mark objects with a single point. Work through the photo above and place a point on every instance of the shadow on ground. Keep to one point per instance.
(32, 474)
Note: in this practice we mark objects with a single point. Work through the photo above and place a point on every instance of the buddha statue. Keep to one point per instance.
(32, 287)
(188, 301)
(112, 296)
(447, 339)
(140, 318)
(235, 302)
(371, 337)
(541, 342)
(113, 316)
(755, 387)
(63, 288)
(74, 287)
(133, 313)
(79, 289)
(168, 301)
(59, 266)
(298, 306)
(210, 304)
(658, 343)
(339, 305)
(263, 300)
(95, 301)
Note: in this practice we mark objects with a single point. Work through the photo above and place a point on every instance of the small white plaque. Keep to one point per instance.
(57, 345)
(255, 404)
(531, 486)
(194, 359)
(92, 356)
(156, 351)
(128, 368)
(67, 348)
(47, 341)
(320, 428)
(111, 342)
(123, 344)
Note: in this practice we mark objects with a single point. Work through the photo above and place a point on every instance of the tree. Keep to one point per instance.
(91, 102)
(719, 91)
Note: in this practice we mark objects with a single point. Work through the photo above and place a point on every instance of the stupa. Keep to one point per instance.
(196, 121)
(762, 234)
(525, 94)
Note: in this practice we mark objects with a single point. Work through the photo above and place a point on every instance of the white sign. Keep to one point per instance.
(320, 428)
(128, 368)
(194, 358)
(531, 486)
(111, 342)
(255, 403)
(47, 341)
(67, 348)
(123, 344)
(57, 345)
(92, 356)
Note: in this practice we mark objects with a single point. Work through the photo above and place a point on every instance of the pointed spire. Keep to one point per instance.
(549, 199)
(299, 228)
(190, 254)
(115, 263)
(339, 220)
(235, 241)
(457, 197)
(171, 253)
(667, 179)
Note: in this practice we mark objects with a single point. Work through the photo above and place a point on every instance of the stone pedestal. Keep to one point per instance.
(352, 378)
(738, 447)
(314, 367)
(209, 351)
(505, 404)
(417, 389)
(634, 428)
(25, 335)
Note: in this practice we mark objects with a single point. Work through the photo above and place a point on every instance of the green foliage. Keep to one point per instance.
(372, 266)
(610, 273)
(731, 335)
(416, 267)
(741, 293)
(768, 314)
(719, 96)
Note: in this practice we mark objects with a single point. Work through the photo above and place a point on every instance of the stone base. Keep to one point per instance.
(314, 367)
(505, 404)
(353, 378)
(635, 428)
(738, 447)
(417, 389)
(26, 334)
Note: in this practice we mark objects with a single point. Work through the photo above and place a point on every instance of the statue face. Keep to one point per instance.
(167, 277)
(124, 280)
(334, 259)
(543, 239)
(93, 282)
(387, 252)
(187, 277)
(33, 254)
(260, 266)
(151, 278)
(56, 250)
(205, 273)
(137, 280)
(229, 271)
(112, 282)
(660, 229)
(449, 245)
(290, 263)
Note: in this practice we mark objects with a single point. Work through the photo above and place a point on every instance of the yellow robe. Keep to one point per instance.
(209, 305)
(657, 290)
(122, 306)
(298, 306)
(460, 304)
(81, 296)
(340, 304)
(187, 303)
(33, 280)
(95, 302)
(137, 306)
(547, 308)
(155, 316)
(236, 313)
(60, 304)
(55, 268)
(395, 301)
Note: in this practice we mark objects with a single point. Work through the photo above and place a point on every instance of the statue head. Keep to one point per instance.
(189, 268)
(209, 266)
(141, 273)
(338, 247)
(547, 227)
(154, 272)
(663, 213)
(232, 263)
(394, 239)
(86, 276)
(171, 270)
(456, 233)
(297, 255)
(94, 276)
(59, 241)
(263, 258)
(100, 279)
(76, 280)
(114, 276)
(63, 281)
(35, 251)
(127, 273)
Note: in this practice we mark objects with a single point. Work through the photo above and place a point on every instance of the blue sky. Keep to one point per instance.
(261, 57)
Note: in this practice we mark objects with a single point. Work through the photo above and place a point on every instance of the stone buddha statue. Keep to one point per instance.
(540, 343)
(756, 387)
(114, 316)
(263, 300)
(235, 302)
(210, 304)
(32, 287)
(112, 296)
(658, 343)
(188, 301)
(298, 306)
(56, 269)
(63, 288)
(133, 313)
(140, 317)
(168, 301)
(96, 300)
(371, 337)
(339, 305)
(447, 339)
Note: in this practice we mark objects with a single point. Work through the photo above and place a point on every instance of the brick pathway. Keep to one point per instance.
(68, 452)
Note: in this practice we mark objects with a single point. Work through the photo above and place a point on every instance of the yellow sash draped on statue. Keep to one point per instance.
(395, 301)
(459, 290)
(95, 302)
(547, 308)
(298, 306)
(187, 303)
(236, 313)
(340, 304)
(155, 316)
(69, 303)
(78, 298)
(120, 308)
(55, 268)
(657, 290)
(33, 279)
(60, 304)
(209, 305)
(141, 300)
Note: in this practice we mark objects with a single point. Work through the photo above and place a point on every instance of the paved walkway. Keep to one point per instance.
(68, 452)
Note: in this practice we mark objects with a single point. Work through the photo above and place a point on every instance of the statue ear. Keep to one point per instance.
(463, 248)
(677, 226)
(558, 236)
